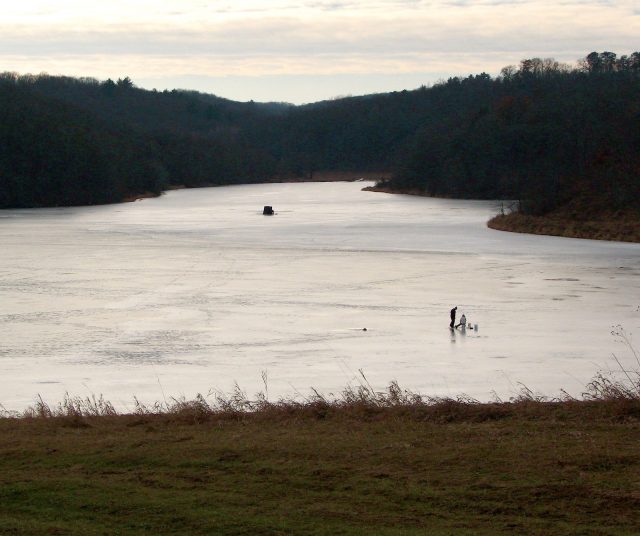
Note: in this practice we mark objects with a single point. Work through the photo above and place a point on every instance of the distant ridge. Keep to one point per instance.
(542, 133)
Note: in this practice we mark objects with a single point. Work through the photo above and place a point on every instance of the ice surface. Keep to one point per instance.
(196, 290)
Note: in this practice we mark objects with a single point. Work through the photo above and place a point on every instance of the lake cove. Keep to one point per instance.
(196, 290)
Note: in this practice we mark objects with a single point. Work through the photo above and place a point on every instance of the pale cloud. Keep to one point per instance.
(251, 38)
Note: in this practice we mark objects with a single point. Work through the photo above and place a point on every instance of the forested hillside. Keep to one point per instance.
(542, 133)
(66, 141)
(52, 154)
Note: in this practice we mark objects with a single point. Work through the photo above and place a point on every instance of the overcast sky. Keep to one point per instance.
(304, 50)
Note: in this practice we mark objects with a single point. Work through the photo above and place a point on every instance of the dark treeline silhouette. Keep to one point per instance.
(51, 154)
(542, 132)
(349, 134)
(68, 141)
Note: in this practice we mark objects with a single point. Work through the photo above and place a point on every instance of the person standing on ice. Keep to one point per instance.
(453, 316)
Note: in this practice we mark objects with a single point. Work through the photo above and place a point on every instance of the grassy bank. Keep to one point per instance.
(579, 219)
(367, 463)
(624, 228)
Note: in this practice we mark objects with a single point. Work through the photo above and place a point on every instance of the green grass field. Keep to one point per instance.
(354, 467)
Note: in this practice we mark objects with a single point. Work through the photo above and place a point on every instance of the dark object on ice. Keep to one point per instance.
(267, 211)
(453, 316)
(364, 329)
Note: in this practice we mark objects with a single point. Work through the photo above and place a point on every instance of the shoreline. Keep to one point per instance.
(334, 176)
(320, 176)
(613, 230)
(613, 227)
(419, 193)
(369, 463)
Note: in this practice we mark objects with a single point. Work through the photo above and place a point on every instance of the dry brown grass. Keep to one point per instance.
(614, 394)
(364, 461)
(391, 463)
(623, 226)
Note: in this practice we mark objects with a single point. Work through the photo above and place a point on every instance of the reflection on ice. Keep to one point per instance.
(196, 290)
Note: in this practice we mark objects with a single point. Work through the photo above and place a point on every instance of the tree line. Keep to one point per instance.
(541, 132)
(78, 141)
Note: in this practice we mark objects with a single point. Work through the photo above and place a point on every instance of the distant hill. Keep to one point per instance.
(542, 133)
(55, 154)
(67, 141)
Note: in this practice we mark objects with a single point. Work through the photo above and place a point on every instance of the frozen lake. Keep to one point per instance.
(196, 290)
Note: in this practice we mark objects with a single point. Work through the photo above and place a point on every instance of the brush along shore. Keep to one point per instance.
(579, 219)
(390, 463)
(618, 228)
